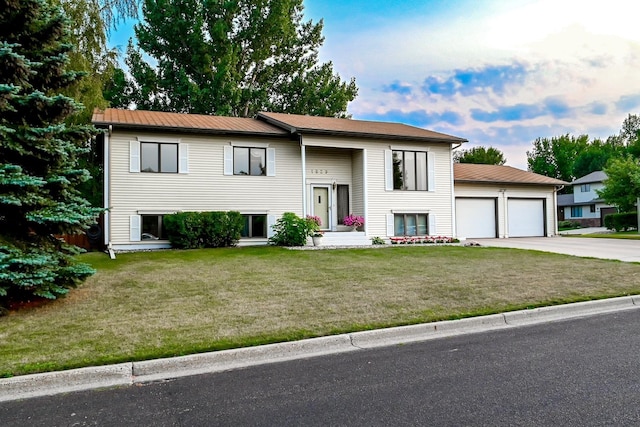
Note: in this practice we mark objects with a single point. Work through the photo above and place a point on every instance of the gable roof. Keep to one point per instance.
(493, 174)
(300, 124)
(184, 122)
(597, 176)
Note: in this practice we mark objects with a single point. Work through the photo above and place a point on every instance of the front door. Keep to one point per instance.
(321, 205)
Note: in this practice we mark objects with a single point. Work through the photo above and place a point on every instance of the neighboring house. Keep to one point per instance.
(584, 205)
(502, 201)
(400, 178)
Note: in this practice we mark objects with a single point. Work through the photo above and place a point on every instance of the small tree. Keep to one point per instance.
(480, 155)
(39, 175)
(622, 186)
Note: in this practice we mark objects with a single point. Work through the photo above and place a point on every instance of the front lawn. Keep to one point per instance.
(158, 304)
(625, 235)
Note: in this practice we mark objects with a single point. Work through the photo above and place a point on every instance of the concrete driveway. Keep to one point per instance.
(623, 250)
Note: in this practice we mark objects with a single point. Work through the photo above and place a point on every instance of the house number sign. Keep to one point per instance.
(319, 171)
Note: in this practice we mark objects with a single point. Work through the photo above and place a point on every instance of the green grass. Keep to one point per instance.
(625, 235)
(167, 303)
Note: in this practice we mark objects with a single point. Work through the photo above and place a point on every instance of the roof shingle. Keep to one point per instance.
(187, 122)
(469, 172)
(362, 128)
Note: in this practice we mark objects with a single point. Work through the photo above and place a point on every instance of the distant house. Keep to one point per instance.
(584, 206)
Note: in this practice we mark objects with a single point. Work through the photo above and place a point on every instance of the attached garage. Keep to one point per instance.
(476, 217)
(500, 201)
(526, 217)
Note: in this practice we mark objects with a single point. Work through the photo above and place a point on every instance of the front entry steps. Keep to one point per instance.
(348, 238)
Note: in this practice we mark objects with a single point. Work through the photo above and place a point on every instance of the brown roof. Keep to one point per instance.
(469, 172)
(185, 122)
(333, 126)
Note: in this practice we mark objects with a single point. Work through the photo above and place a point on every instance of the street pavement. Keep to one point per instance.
(618, 249)
(581, 372)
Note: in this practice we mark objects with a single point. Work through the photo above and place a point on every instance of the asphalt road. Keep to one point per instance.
(623, 250)
(578, 372)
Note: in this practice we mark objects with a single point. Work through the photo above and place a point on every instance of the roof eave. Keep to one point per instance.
(189, 129)
(476, 181)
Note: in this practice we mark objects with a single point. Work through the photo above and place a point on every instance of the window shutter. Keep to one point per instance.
(431, 171)
(390, 225)
(271, 162)
(388, 171)
(432, 225)
(183, 163)
(134, 156)
(271, 221)
(134, 228)
(228, 160)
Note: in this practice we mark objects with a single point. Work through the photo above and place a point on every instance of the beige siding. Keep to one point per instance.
(205, 187)
(382, 202)
(512, 191)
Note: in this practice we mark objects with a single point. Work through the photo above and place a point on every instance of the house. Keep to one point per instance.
(584, 206)
(502, 201)
(398, 177)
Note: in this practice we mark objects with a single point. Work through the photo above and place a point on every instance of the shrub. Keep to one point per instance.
(291, 230)
(378, 241)
(568, 225)
(184, 229)
(191, 230)
(621, 221)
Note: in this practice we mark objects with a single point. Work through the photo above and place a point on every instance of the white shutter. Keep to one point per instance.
(432, 225)
(183, 164)
(271, 221)
(228, 160)
(134, 228)
(390, 225)
(431, 170)
(271, 162)
(134, 156)
(388, 171)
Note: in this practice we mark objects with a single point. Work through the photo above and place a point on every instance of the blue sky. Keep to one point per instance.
(498, 73)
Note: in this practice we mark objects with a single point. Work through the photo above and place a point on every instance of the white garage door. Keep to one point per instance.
(475, 218)
(526, 217)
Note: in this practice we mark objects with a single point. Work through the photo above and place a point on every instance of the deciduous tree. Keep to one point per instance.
(233, 58)
(622, 186)
(480, 155)
(39, 173)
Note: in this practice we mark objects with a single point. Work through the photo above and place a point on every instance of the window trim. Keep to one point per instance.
(404, 220)
(578, 210)
(264, 150)
(159, 154)
(430, 174)
(248, 216)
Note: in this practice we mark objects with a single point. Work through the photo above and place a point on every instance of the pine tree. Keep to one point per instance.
(39, 153)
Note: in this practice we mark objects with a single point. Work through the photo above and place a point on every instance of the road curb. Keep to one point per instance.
(125, 374)
(27, 386)
(225, 360)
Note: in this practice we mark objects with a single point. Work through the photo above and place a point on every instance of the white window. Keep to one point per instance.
(409, 170)
(247, 160)
(158, 157)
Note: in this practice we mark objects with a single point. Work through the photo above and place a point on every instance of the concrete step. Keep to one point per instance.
(349, 238)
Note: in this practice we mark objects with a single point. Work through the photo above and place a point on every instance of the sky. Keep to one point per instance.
(498, 73)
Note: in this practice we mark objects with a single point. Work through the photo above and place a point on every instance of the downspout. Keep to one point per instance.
(303, 154)
(365, 190)
(454, 232)
(107, 191)
(555, 207)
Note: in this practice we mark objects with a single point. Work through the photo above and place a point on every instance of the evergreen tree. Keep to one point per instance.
(233, 58)
(39, 174)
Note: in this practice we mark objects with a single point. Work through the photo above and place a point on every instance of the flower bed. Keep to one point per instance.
(414, 240)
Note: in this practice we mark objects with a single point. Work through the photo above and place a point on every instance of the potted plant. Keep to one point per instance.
(313, 226)
(353, 221)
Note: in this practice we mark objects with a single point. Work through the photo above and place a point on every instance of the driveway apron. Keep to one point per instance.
(623, 250)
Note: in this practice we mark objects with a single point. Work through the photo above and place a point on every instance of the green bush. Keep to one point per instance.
(291, 230)
(191, 230)
(184, 229)
(621, 221)
(568, 225)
